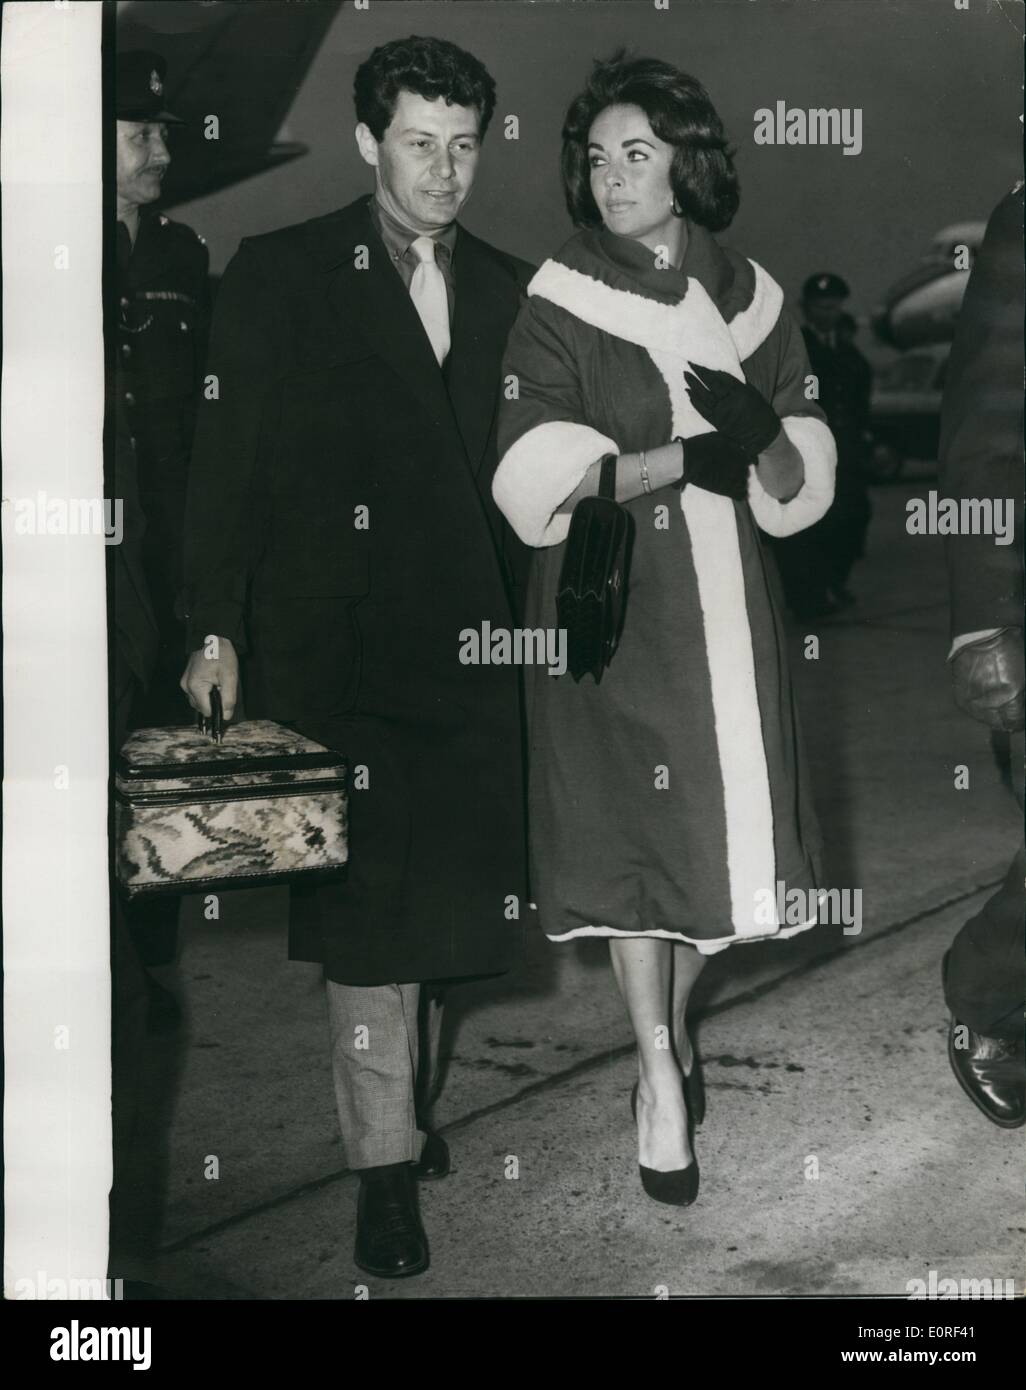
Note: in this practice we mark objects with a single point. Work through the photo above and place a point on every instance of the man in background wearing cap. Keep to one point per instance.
(163, 303)
(816, 563)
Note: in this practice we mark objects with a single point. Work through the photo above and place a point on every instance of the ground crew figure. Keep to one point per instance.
(816, 563)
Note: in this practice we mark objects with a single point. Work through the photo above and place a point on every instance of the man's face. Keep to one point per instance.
(425, 161)
(142, 160)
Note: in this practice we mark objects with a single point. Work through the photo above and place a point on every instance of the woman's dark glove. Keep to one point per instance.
(714, 462)
(733, 407)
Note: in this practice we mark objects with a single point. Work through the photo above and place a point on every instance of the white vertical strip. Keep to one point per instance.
(55, 906)
(712, 529)
(751, 862)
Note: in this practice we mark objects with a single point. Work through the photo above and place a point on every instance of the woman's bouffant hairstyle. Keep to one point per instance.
(678, 108)
(430, 68)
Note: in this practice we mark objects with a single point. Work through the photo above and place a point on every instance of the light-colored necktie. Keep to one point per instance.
(427, 290)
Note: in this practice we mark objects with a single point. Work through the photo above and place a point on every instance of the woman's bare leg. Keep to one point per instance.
(643, 970)
(687, 966)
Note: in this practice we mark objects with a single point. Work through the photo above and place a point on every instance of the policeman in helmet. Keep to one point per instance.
(162, 269)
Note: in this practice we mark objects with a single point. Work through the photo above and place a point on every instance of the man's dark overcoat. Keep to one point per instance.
(341, 532)
(981, 441)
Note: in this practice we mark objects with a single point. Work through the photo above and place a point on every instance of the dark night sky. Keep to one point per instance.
(940, 91)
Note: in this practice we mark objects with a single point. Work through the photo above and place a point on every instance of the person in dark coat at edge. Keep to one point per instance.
(133, 639)
(136, 383)
(163, 301)
(981, 456)
(815, 564)
(341, 536)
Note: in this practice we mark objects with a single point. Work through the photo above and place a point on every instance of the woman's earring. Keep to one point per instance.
(675, 207)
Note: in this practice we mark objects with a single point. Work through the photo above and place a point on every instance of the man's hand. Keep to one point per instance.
(220, 668)
(989, 680)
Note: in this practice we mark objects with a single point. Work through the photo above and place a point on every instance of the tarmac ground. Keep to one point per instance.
(838, 1155)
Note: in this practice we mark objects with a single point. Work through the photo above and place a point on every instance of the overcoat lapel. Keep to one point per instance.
(376, 299)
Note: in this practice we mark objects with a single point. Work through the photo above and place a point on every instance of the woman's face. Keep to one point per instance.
(630, 175)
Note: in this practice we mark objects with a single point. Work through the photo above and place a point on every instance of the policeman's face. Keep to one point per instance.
(425, 161)
(142, 160)
(630, 175)
(824, 313)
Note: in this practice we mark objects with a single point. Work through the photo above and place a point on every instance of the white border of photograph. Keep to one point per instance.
(57, 1132)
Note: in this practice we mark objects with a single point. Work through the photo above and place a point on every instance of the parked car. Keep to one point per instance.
(905, 410)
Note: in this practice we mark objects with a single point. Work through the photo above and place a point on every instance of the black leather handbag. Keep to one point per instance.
(592, 593)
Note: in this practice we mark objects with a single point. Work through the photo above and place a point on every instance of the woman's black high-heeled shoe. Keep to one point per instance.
(679, 1186)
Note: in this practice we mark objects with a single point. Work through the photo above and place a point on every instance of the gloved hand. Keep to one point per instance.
(733, 407)
(989, 681)
(714, 462)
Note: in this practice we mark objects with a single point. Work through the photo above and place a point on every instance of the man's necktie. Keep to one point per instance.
(427, 290)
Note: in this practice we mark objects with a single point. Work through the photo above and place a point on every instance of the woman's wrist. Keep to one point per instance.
(778, 448)
(780, 469)
(663, 467)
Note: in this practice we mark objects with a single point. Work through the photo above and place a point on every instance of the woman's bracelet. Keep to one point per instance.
(644, 472)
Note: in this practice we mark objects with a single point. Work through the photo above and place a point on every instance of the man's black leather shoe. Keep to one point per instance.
(992, 1073)
(434, 1161)
(390, 1240)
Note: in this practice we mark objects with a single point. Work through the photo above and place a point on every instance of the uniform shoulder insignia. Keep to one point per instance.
(184, 230)
(185, 234)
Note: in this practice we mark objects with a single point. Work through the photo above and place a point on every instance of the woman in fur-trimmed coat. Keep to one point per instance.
(669, 810)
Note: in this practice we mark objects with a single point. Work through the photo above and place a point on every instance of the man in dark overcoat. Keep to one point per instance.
(981, 459)
(341, 536)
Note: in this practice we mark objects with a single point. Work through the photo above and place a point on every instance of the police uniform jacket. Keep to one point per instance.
(162, 330)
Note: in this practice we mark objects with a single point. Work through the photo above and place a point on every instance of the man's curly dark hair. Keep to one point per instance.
(680, 112)
(430, 68)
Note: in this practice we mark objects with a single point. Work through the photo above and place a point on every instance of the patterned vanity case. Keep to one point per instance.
(264, 806)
